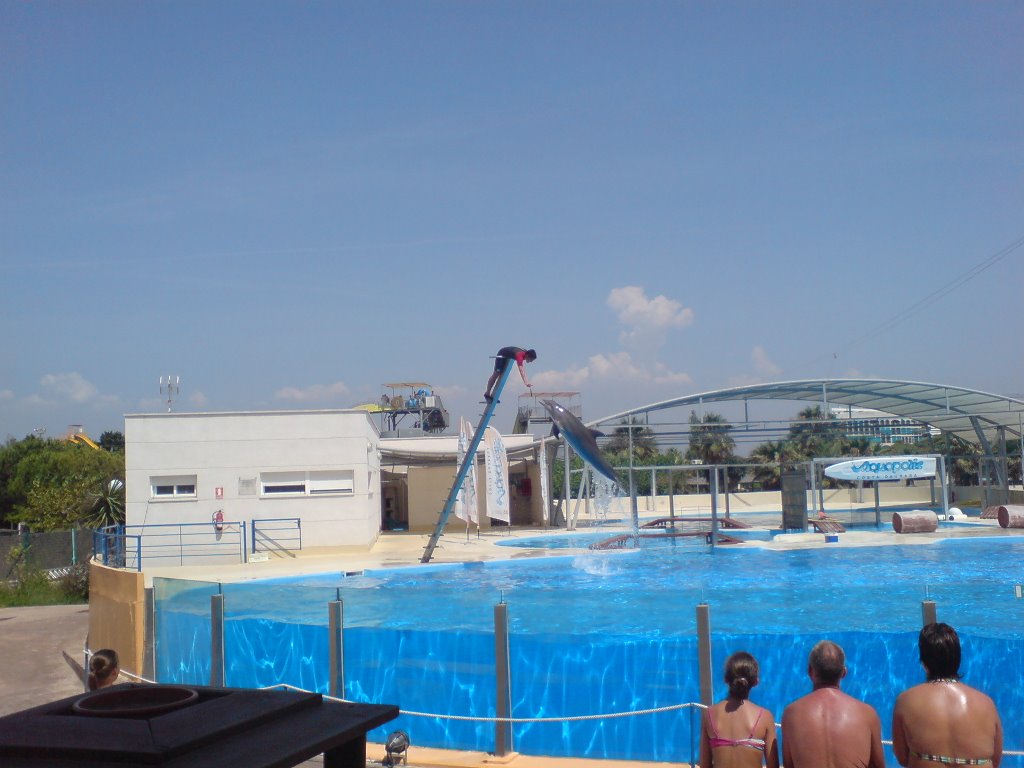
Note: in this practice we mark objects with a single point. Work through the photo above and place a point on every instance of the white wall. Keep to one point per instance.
(230, 451)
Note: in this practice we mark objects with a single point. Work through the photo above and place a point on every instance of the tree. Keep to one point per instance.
(645, 444)
(11, 455)
(55, 484)
(816, 434)
(710, 441)
(773, 456)
(112, 441)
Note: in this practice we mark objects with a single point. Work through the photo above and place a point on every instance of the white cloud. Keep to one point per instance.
(763, 365)
(451, 391)
(6, 394)
(636, 310)
(618, 367)
(68, 386)
(198, 399)
(765, 369)
(314, 393)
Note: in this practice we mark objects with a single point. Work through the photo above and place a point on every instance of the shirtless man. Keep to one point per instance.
(504, 358)
(944, 722)
(827, 728)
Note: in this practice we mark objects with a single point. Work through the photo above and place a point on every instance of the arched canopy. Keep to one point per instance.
(978, 417)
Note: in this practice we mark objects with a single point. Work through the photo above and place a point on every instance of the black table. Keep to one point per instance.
(221, 728)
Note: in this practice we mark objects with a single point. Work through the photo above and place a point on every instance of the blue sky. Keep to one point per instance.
(290, 204)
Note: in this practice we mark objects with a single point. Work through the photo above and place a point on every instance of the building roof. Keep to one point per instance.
(970, 414)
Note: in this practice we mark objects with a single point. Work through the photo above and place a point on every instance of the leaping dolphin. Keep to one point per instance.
(579, 437)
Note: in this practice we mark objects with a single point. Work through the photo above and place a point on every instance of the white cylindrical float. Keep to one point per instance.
(915, 521)
(1011, 516)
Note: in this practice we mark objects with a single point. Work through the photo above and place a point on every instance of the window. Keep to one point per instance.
(275, 483)
(313, 483)
(173, 487)
(331, 482)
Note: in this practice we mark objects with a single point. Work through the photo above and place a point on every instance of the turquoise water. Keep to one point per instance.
(604, 632)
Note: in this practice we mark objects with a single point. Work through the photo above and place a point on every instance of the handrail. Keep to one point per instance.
(278, 541)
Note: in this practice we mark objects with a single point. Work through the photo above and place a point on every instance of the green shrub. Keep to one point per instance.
(28, 586)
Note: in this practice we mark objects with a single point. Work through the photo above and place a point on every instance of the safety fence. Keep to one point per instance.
(281, 535)
(335, 663)
(219, 541)
(54, 552)
(128, 546)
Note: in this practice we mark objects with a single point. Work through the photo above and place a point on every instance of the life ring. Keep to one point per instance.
(218, 521)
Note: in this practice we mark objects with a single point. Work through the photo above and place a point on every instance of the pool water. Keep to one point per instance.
(605, 632)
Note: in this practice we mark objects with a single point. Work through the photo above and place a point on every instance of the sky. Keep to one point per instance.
(288, 205)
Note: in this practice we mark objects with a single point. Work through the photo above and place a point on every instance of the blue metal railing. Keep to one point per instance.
(113, 547)
(276, 534)
(125, 546)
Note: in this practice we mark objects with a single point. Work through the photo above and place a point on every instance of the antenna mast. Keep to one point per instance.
(170, 386)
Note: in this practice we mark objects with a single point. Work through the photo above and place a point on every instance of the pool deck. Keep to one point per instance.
(42, 646)
(404, 549)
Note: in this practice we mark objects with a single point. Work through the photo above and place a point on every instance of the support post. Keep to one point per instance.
(928, 612)
(503, 708)
(878, 505)
(944, 487)
(336, 648)
(713, 477)
(149, 637)
(217, 640)
(671, 496)
(707, 692)
(566, 481)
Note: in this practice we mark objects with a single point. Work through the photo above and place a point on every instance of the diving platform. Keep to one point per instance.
(625, 540)
(669, 522)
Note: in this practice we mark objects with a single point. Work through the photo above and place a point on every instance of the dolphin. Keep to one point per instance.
(579, 437)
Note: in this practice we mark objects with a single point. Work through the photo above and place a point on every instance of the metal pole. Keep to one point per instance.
(217, 640)
(336, 648)
(149, 644)
(944, 480)
(878, 508)
(74, 547)
(654, 491)
(566, 482)
(671, 496)
(714, 507)
(503, 708)
(704, 653)
(928, 612)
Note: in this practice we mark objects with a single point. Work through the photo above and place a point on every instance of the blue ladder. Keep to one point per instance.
(469, 460)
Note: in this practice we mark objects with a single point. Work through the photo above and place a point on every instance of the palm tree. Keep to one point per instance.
(710, 441)
(645, 445)
(772, 456)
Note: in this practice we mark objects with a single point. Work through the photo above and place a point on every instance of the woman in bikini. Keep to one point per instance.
(944, 721)
(736, 733)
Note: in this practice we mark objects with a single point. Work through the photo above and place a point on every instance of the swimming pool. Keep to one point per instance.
(605, 632)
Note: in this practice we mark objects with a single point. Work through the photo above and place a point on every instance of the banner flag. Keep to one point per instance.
(460, 498)
(542, 462)
(496, 464)
(472, 498)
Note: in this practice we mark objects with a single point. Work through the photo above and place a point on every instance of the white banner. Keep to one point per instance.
(460, 497)
(542, 462)
(497, 476)
(469, 487)
(883, 468)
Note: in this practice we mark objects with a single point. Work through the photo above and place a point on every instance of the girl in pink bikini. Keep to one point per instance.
(736, 733)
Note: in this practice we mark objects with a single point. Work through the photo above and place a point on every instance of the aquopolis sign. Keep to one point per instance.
(888, 468)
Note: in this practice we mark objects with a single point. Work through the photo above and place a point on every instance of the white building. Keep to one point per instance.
(197, 482)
